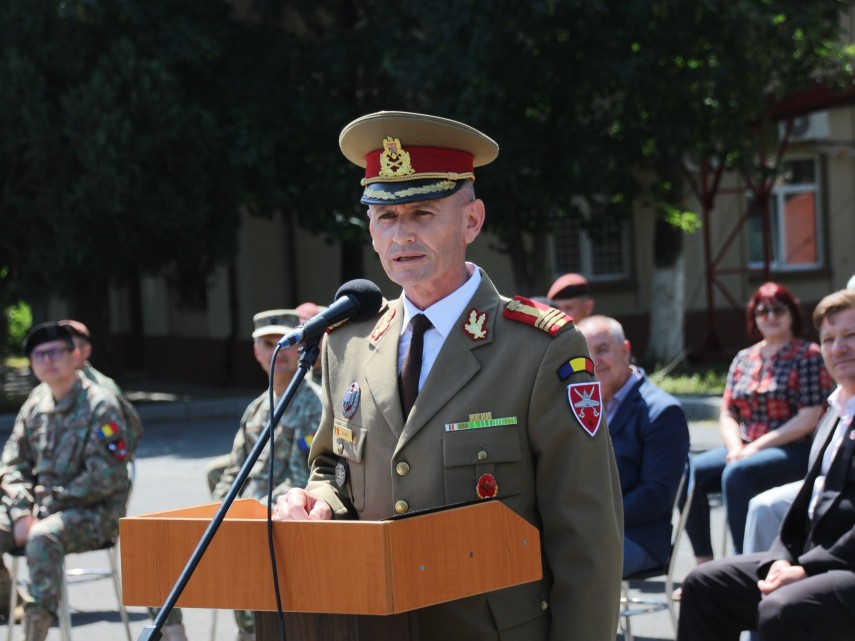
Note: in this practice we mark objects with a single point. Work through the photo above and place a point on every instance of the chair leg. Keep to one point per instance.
(64, 609)
(214, 614)
(13, 598)
(117, 586)
(669, 597)
(627, 626)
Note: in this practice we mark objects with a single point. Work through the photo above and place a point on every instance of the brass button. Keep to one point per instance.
(544, 605)
(339, 447)
(482, 455)
(402, 468)
(402, 507)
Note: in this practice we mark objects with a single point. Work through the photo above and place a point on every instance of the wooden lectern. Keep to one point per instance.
(373, 569)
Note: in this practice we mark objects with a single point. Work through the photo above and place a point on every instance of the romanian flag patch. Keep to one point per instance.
(111, 436)
(574, 366)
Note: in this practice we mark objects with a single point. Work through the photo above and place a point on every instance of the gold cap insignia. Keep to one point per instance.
(395, 160)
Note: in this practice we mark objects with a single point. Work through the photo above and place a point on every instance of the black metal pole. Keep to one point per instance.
(308, 357)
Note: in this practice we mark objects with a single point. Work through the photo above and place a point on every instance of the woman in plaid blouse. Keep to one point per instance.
(775, 394)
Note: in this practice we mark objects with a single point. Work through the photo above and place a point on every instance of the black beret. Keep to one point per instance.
(45, 333)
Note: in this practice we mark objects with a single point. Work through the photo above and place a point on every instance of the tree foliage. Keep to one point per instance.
(113, 154)
(133, 133)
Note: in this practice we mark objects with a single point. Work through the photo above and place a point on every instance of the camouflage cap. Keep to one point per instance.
(275, 322)
(410, 157)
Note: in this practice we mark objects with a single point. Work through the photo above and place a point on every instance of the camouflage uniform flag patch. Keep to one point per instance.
(111, 435)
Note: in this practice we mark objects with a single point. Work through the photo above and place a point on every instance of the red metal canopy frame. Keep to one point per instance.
(816, 98)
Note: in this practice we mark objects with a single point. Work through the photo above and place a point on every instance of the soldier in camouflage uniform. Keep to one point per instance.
(291, 438)
(80, 336)
(173, 627)
(64, 472)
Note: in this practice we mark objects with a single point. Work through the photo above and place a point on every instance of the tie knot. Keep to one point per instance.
(420, 324)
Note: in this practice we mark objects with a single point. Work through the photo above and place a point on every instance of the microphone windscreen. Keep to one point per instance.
(367, 293)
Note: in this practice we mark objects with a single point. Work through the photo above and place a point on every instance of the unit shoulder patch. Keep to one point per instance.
(543, 317)
(111, 435)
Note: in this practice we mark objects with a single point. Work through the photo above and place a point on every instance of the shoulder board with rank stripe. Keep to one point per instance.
(544, 317)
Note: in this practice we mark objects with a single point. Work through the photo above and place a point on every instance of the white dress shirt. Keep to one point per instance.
(845, 413)
(442, 314)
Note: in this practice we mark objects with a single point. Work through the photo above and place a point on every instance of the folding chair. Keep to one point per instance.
(630, 606)
(70, 576)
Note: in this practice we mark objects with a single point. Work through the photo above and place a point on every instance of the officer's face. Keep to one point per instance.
(837, 341)
(54, 362)
(422, 245)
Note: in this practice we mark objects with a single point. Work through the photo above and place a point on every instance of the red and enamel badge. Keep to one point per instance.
(475, 327)
(487, 487)
(586, 403)
(383, 324)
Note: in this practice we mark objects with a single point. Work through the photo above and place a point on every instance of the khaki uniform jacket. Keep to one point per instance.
(548, 468)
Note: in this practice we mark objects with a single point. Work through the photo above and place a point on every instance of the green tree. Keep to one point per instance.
(588, 97)
(117, 160)
(700, 80)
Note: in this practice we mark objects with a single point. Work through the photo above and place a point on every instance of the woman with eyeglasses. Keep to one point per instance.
(775, 394)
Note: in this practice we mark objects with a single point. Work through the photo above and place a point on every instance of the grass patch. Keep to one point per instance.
(708, 381)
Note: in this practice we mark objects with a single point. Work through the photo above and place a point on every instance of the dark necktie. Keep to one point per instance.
(413, 363)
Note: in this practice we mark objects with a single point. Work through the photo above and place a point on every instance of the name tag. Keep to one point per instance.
(342, 431)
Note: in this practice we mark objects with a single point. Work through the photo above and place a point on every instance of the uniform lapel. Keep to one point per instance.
(457, 361)
(381, 369)
(836, 477)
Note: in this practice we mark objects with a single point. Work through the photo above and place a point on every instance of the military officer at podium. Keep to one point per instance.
(455, 393)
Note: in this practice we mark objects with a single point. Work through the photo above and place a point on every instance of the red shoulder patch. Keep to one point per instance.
(544, 317)
(586, 404)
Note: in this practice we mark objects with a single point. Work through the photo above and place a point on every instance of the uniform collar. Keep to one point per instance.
(444, 313)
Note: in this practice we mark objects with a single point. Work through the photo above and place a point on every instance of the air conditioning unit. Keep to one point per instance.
(806, 128)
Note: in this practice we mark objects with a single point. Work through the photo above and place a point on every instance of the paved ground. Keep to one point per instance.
(185, 429)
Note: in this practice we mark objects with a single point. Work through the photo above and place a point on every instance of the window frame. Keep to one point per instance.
(586, 247)
(777, 202)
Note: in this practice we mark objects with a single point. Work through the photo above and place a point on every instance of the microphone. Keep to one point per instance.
(356, 300)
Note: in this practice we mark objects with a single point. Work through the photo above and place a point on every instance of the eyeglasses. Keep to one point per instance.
(52, 354)
(771, 310)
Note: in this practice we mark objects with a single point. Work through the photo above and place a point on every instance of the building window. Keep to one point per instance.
(602, 254)
(794, 220)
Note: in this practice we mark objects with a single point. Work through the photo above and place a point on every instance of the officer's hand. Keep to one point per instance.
(300, 505)
(22, 529)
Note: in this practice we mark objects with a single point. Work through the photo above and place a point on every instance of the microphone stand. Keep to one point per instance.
(151, 632)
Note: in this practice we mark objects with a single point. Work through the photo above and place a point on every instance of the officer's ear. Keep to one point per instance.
(475, 213)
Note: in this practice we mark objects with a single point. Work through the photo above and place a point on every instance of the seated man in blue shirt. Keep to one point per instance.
(651, 442)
